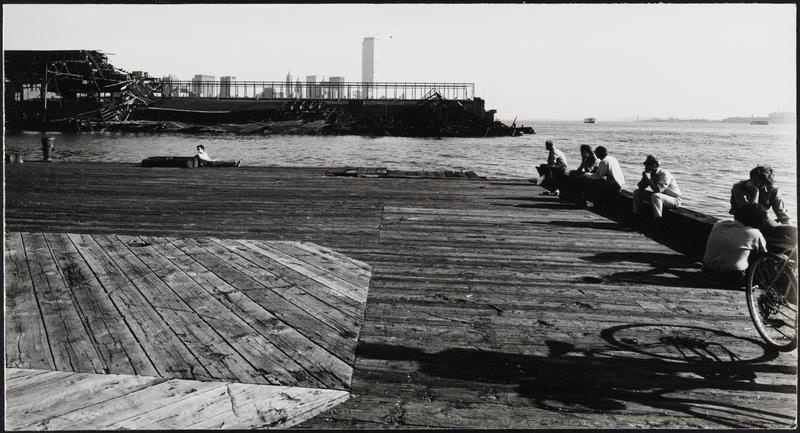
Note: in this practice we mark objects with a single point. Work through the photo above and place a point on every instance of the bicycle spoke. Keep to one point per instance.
(765, 277)
(772, 301)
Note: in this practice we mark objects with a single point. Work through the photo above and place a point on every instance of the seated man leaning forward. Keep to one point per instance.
(760, 188)
(554, 170)
(203, 160)
(602, 185)
(732, 245)
(664, 191)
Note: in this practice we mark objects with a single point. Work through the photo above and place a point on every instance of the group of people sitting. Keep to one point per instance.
(730, 245)
(598, 178)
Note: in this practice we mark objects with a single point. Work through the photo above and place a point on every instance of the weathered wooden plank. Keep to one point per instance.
(211, 351)
(113, 406)
(31, 379)
(259, 352)
(277, 296)
(282, 409)
(70, 344)
(169, 356)
(330, 370)
(338, 285)
(26, 342)
(113, 340)
(355, 272)
(320, 300)
(89, 401)
(35, 404)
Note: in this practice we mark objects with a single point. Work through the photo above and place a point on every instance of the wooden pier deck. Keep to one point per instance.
(488, 305)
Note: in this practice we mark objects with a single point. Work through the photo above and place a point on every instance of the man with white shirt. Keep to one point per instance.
(732, 245)
(203, 160)
(602, 185)
(554, 170)
(664, 191)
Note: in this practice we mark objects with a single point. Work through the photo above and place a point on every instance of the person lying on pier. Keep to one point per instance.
(664, 191)
(571, 183)
(733, 244)
(601, 187)
(554, 170)
(203, 160)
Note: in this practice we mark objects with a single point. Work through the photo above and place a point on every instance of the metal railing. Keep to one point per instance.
(324, 90)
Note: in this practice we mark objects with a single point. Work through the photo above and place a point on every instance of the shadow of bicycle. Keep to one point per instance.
(658, 366)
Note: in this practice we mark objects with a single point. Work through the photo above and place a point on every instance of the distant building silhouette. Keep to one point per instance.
(312, 90)
(204, 86)
(367, 63)
(267, 93)
(170, 86)
(225, 86)
(336, 86)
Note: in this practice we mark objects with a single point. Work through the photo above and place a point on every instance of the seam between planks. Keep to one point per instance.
(310, 293)
(116, 307)
(38, 305)
(289, 300)
(81, 315)
(244, 320)
(191, 309)
(155, 310)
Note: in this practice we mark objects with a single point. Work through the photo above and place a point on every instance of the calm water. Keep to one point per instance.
(706, 158)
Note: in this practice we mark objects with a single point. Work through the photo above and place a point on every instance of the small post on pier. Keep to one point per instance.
(48, 147)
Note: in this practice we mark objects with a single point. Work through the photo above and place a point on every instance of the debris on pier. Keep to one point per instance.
(416, 174)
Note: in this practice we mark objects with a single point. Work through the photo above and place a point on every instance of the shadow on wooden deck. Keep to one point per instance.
(628, 372)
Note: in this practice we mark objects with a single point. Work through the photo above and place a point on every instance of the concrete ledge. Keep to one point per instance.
(682, 229)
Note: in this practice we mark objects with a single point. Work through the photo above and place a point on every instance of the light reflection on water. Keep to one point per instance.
(706, 158)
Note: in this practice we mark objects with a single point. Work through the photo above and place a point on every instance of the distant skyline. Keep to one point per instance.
(535, 61)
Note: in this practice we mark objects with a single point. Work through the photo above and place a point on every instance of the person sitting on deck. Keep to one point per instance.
(664, 193)
(731, 244)
(760, 189)
(601, 186)
(203, 160)
(554, 170)
(571, 184)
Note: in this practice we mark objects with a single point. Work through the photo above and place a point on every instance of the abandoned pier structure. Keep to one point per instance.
(81, 90)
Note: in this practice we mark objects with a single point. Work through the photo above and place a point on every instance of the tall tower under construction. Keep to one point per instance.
(367, 64)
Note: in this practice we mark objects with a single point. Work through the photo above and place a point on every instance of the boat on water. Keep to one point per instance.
(759, 122)
(589, 120)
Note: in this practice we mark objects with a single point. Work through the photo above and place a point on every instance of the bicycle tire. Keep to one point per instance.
(772, 302)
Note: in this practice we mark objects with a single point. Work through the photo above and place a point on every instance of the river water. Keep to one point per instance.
(705, 158)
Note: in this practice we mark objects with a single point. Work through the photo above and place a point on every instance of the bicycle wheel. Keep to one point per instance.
(772, 301)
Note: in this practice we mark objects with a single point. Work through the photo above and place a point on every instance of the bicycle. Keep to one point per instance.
(771, 284)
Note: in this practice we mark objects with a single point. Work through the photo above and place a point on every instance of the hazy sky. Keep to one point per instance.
(536, 61)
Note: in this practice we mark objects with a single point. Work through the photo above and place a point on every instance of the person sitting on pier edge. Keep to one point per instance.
(760, 189)
(665, 191)
(731, 244)
(571, 184)
(601, 187)
(554, 170)
(203, 160)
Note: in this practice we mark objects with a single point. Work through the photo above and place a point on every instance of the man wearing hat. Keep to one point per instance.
(664, 191)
